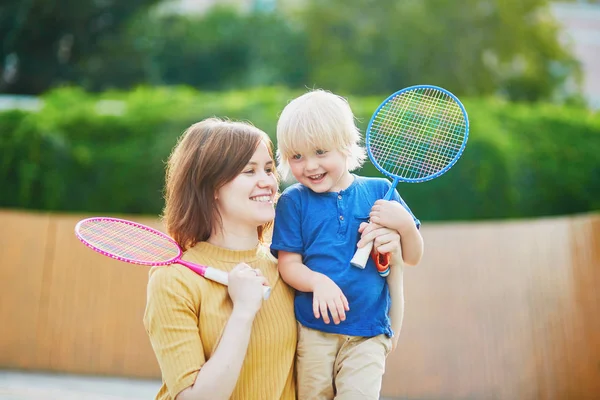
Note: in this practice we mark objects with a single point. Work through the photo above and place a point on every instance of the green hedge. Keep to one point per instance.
(105, 153)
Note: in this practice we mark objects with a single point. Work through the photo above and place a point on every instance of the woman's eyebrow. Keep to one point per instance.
(256, 163)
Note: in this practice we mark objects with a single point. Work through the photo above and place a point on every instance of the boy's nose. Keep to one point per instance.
(311, 164)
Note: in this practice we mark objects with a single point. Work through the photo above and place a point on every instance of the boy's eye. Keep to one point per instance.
(297, 156)
(321, 152)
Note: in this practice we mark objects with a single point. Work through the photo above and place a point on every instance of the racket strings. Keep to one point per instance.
(418, 156)
(131, 242)
(390, 126)
(418, 133)
(410, 153)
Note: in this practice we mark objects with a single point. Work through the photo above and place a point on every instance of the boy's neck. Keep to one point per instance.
(343, 183)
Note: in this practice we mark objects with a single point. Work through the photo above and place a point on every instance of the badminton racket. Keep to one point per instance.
(139, 244)
(415, 135)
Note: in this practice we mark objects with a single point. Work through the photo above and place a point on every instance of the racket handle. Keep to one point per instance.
(362, 256)
(222, 277)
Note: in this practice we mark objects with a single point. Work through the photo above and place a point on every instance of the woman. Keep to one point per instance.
(212, 341)
(220, 188)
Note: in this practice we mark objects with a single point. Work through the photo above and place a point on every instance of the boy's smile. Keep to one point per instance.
(316, 179)
(322, 171)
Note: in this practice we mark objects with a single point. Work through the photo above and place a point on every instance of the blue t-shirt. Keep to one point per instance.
(323, 229)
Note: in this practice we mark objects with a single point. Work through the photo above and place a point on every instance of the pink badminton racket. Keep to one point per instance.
(139, 244)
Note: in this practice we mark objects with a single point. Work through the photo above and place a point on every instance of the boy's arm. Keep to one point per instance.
(393, 215)
(294, 272)
(327, 296)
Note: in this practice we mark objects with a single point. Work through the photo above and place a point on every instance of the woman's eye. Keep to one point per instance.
(269, 170)
(297, 156)
(249, 171)
(321, 152)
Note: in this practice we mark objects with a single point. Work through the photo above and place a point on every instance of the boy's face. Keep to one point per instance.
(321, 171)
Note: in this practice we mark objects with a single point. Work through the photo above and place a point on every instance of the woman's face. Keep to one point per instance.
(247, 201)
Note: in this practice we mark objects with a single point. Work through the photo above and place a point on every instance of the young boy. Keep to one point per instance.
(318, 225)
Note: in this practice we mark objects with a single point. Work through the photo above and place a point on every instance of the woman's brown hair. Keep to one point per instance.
(208, 155)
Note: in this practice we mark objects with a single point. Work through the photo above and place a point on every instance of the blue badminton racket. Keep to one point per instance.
(415, 135)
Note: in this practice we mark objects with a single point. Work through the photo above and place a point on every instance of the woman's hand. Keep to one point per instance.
(246, 288)
(328, 296)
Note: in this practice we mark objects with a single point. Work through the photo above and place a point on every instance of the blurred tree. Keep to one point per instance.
(278, 51)
(220, 49)
(44, 42)
(207, 52)
(470, 47)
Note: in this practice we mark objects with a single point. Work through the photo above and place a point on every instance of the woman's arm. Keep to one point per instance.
(387, 241)
(219, 375)
(171, 320)
(396, 285)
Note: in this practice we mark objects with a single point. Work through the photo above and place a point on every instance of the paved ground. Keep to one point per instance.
(40, 386)
(30, 386)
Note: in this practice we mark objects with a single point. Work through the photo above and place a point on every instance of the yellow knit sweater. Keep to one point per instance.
(186, 315)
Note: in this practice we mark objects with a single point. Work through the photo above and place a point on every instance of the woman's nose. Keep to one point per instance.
(266, 180)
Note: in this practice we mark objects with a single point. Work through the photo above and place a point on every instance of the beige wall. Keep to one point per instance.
(506, 310)
(500, 310)
(65, 307)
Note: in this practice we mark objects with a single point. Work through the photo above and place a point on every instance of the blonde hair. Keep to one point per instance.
(317, 120)
(207, 156)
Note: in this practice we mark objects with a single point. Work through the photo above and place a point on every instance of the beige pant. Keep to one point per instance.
(338, 366)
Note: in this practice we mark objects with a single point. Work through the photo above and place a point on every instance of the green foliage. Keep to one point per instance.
(221, 49)
(478, 48)
(202, 53)
(49, 41)
(562, 167)
(475, 48)
(105, 153)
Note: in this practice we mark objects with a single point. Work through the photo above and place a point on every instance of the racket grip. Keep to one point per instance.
(222, 277)
(362, 256)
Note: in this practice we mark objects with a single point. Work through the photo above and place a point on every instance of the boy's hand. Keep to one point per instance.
(385, 241)
(391, 214)
(328, 295)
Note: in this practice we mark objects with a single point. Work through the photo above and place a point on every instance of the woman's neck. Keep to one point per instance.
(234, 240)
